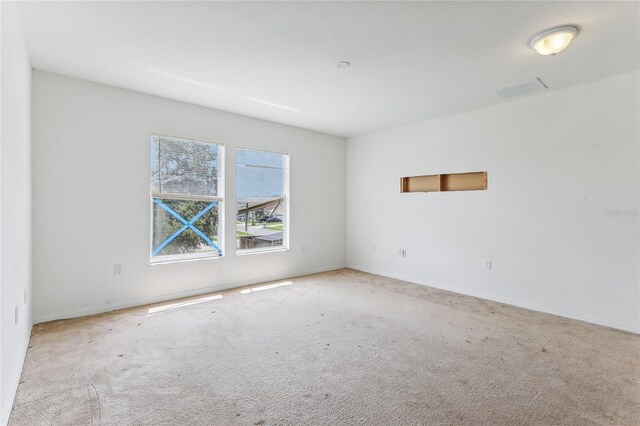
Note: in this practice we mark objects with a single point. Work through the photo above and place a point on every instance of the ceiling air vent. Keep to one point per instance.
(521, 89)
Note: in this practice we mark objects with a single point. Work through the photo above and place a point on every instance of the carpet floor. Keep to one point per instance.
(336, 348)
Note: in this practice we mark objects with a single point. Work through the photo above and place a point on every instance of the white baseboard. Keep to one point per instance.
(13, 386)
(124, 304)
(518, 303)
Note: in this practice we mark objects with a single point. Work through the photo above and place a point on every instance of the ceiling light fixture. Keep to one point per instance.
(553, 40)
(343, 65)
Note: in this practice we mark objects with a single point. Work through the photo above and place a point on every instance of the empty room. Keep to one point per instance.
(319, 213)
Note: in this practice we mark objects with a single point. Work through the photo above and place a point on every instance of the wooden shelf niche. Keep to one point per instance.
(473, 181)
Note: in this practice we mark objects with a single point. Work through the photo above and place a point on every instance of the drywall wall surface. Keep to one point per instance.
(92, 206)
(15, 206)
(559, 221)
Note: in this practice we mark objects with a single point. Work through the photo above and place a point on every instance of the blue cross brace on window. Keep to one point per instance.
(187, 225)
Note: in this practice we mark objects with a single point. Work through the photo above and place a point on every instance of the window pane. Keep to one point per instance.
(185, 200)
(260, 174)
(261, 208)
(201, 237)
(263, 227)
(183, 167)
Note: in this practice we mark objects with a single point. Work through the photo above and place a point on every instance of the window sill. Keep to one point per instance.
(250, 252)
(182, 260)
(196, 259)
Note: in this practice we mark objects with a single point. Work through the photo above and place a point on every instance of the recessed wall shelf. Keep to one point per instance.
(473, 181)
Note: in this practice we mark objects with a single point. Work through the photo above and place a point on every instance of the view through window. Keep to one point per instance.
(186, 198)
(262, 190)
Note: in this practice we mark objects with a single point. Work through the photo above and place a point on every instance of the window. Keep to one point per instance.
(186, 199)
(262, 195)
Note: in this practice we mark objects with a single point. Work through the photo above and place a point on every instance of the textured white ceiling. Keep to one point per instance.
(411, 61)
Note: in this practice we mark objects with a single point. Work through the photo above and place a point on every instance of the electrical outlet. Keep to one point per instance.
(487, 265)
(402, 252)
(117, 269)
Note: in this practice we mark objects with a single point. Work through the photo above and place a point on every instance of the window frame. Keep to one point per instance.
(286, 191)
(190, 257)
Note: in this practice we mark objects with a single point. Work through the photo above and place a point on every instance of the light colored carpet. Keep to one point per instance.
(342, 347)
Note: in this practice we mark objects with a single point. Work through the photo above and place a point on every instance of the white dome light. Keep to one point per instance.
(554, 40)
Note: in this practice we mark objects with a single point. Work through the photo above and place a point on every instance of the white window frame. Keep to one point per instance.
(188, 257)
(286, 229)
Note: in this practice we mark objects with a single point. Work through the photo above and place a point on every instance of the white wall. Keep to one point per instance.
(91, 198)
(15, 210)
(559, 220)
